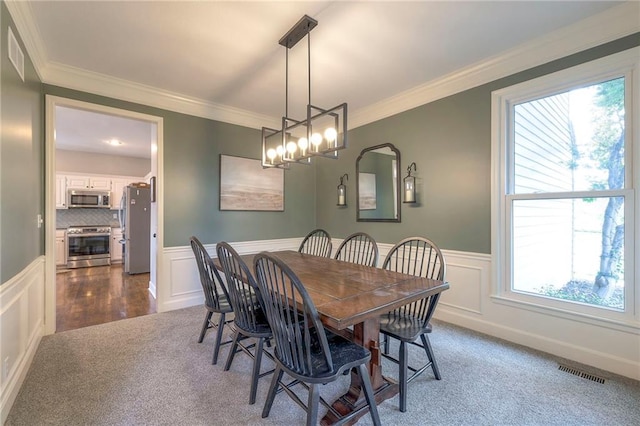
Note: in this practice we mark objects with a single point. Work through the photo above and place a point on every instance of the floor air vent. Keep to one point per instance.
(580, 374)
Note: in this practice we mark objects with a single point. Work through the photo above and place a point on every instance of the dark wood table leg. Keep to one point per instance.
(367, 334)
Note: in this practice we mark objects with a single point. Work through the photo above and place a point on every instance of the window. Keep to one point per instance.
(564, 193)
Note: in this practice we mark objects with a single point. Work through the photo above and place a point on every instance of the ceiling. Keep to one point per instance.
(224, 57)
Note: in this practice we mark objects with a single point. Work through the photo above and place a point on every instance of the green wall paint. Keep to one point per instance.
(450, 141)
(192, 147)
(21, 160)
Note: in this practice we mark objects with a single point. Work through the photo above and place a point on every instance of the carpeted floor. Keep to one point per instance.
(151, 371)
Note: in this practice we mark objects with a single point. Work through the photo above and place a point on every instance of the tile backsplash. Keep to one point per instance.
(86, 217)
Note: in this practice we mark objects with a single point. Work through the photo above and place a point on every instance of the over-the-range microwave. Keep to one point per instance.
(80, 198)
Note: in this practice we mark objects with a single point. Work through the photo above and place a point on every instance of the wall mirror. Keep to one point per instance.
(378, 184)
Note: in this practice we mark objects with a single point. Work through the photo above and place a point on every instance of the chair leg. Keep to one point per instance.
(385, 344)
(368, 393)
(205, 326)
(312, 404)
(429, 350)
(232, 351)
(256, 371)
(216, 346)
(402, 381)
(273, 389)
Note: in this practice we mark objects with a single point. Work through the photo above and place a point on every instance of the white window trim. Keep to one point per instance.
(627, 63)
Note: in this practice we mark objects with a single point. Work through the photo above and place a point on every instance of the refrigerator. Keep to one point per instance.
(135, 223)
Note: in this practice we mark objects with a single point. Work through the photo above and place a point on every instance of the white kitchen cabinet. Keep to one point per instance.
(61, 247)
(89, 182)
(77, 182)
(117, 187)
(61, 192)
(100, 183)
(116, 248)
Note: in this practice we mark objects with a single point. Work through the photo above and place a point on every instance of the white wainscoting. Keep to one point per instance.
(183, 288)
(21, 328)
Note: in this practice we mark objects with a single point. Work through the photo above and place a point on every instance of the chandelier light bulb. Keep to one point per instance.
(316, 140)
(291, 148)
(271, 154)
(330, 134)
(280, 150)
(303, 143)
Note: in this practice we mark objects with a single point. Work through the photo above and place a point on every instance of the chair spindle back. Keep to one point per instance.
(212, 285)
(359, 248)
(422, 258)
(293, 318)
(243, 291)
(317, 243)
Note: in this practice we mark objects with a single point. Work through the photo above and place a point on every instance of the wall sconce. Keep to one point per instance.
(410, 185)
(342, 191)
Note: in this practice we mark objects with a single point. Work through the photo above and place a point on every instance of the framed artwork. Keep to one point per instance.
(367, 191)
(245, 185)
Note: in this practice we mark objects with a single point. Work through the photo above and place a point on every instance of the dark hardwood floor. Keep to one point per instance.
(90, 296)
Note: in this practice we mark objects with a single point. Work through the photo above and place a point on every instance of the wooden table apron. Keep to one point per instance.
(346, 294)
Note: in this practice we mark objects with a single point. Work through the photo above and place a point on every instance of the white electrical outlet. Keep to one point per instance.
(39, 220)
(115, 215)
(5, 369)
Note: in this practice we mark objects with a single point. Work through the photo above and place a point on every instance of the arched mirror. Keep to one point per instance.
(378, 184)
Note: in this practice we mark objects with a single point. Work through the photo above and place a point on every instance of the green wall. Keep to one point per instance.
(450, 142)
(21, 160)
(191, 150)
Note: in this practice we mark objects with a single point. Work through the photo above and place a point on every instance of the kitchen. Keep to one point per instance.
(103, 216)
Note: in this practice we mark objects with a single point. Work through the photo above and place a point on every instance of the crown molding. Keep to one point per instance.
(610, 25)
(101, 84)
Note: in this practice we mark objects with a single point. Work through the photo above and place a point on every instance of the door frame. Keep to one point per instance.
(155, 277)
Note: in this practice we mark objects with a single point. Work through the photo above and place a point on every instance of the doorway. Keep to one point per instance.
(111, 276)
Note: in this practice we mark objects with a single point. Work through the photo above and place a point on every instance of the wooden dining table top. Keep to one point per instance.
(346, 294)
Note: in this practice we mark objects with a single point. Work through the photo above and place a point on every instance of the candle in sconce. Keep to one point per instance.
(341, 200)
(408, 196)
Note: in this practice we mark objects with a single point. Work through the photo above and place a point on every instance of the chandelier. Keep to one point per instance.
(321, 133)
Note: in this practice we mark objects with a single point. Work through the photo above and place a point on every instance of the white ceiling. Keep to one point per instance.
(225, 57)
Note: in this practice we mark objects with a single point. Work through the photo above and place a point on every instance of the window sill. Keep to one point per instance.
(632, 327)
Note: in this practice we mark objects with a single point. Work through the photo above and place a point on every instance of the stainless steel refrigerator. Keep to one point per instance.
(135, 222)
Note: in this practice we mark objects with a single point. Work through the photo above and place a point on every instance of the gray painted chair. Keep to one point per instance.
(216, 298)
(249, 319)
(304, 349)
(420, 257)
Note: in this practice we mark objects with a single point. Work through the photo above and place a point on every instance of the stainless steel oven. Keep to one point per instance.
(88, 246)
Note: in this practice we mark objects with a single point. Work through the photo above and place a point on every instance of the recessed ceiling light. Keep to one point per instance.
(114, 142)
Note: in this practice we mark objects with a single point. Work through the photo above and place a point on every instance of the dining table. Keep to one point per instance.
(350, 299)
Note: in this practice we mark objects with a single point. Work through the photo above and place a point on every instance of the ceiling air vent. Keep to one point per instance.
(15, 54)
